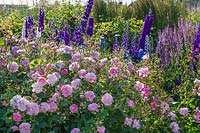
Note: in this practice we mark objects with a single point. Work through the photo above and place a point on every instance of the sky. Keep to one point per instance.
(30, 2)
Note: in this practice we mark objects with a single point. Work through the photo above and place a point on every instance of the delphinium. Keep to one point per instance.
(196, 46)
(53, 29)
(171, 41)
(40, 22)
(28, 28)
(125, 37)
(133, 46)
(116, 43)
(77, 36)
(90, 27)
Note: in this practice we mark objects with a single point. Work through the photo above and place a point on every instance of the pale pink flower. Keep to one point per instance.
(90, 95)
(66, 90)
(145, 57)
(76, 130)
(139, 86)
(172, 115)
(53, 107)
(76, 57)
(76, 83)
(143, 72)
(82, 73)
(101, 129)
(174, 127)
(74, 66)
(17, 117)
(197, 82)
(95, 55)
(130, 66)
(44, 107)
(25, 62)
(91, 77)
(33, 109)
(14, 100)
(68, 49)
(57, 75)
(136, 124)
(164, 106)
(14, 128)
(128, 121)
(64, 72)
(42, 81)
(52, 79)
(131, 104)
(22, 104)
(74, 108)
(197, 115)
(183, 111)
(37, 88)
(4, 103)
(195, 91)
(93, 107)
(107, 99)
(12, 67)
(89, 60)
(113, 71)
(104, 60)
(25, 128)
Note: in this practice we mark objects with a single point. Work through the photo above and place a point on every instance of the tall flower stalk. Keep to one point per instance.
(196, 46)
(90, 27)
(41, 20)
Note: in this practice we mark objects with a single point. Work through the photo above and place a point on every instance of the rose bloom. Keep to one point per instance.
(76, 83)
(101, 129)
(76, 57)
(197, 82)
(95, 55)
(90, 95)
(17, 117)
(107, 99)
(130, 66)
(143, 72)
(113, 71)
(76, 130)
(53, 107)
(128, 121)
(37, 88)
(44, 107)
(14, 128)
(82, 73)
(136, 124)
(131, 104)
(139, 86)
(22, 104)
(25, 128)
(183, 111)
(74, 108)
(74, 66)
(93, 107)
(42, 81)
(52, 79)
(25, 62)
(64, 72)
(91, 77)
(66, 90)
(174, 126)
(33, 109)
(12, 67)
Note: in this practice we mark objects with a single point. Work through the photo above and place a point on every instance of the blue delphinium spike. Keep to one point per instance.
(102, 42)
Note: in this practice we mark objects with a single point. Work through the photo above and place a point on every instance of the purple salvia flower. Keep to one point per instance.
(90, 27)
(41, 21)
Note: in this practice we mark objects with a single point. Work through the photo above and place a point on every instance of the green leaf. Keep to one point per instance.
(67, 56)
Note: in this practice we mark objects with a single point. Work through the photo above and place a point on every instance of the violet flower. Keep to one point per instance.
(77, 37)
(90, 27)
(196, 47)
(41, 21)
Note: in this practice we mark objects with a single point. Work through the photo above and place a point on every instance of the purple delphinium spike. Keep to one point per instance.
(90, 27)
(86, 15)
(125, 37)
(133, 46)
(25, 30)
(196, 46)
(116, 43)
(41, 21)
(67, 35)
(145, 31)
(77, 36)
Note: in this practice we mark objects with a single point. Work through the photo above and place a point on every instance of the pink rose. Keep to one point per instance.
(64, 72)
(12, 67)
(183, 111)
(130, 66)
(74, 108)
(82, 73)
(101, 129)
(113, 71)
(95, 55)
(107, 99)
(4, 103)
(25, 128)
(197, 115)
(139, 86)
(197, 82)
(172, 115)
(76, 57)
(53, 107)
(44, 107)
(128, 121)
(33, 109)
(89, 60)
(143, 72)
(76, 130)
(76, 83)
(90, 95)
(74, 66)
(91, 77)
(93, 107)
(131, 104)
(52, 79)
(68, 49)
(136, 124)
(174, 127)
(17, 117)
(66, 90)
(42, 81)
(37, 88)
(14, 128)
